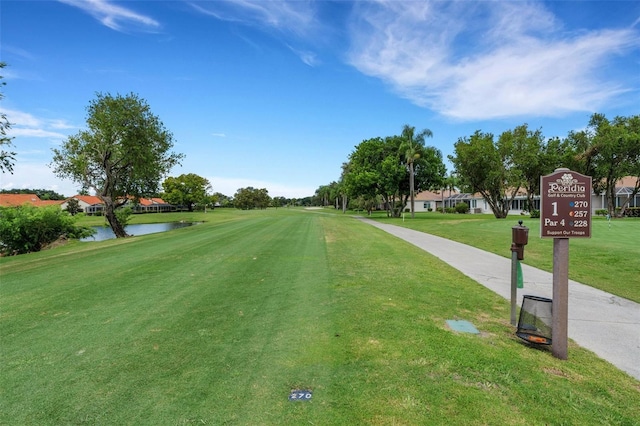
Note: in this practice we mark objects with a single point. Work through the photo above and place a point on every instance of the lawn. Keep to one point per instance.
(217, 323)
(609, 260)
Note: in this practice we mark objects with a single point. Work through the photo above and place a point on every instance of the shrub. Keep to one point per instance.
(450, 210)
(632, 212)
(27, 229)
(602, 212)
(535, 214)
(123, 215)
(462, 208)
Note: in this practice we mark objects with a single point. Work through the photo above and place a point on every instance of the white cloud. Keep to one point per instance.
(297, 17)
(306, 56)
(27, 125)
(288, 18)
(19, 118)
(34, 133)
(28, 175)
(112, 15)
(521, 62)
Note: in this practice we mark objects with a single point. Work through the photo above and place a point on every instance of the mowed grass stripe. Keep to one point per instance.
(215, 324)
(403, 366)
(194, 314)
(609, 260)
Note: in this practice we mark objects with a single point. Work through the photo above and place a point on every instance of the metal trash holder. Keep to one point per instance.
(534, 324)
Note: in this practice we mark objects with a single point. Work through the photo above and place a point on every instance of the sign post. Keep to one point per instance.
(565, 212)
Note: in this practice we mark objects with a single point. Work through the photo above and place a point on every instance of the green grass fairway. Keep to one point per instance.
(216, 324)
(609, 260)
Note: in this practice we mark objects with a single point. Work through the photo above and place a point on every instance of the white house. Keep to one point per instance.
(433, 200)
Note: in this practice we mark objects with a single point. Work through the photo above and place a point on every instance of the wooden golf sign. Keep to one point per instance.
(565, 212)
(565, 207)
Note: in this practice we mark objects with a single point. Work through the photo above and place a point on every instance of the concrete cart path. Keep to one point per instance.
(601, 322)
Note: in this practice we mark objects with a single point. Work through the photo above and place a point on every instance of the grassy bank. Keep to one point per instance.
(217, 323)
(609, 260)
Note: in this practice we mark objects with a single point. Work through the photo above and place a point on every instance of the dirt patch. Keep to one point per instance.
(61, 241)
(555, 372)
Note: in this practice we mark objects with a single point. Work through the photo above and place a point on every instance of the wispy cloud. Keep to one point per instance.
(308, 57)
(36, 175)
(485, 60)
(24, 124)
(296, 17)
(34, 133)
(116, 17)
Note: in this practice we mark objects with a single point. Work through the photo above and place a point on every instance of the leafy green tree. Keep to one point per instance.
(43, 194)
(221, 199)
(449, 183)
(531, 156)
(26, 228)
(633, 150)
(186, 190)
(7, 158)
(73, 206)
(612, 152)
(462, 208)
(606, 150)
(123, 215)
(379, 168)
(375, 169)
(485, 166)
(344, 197)
(279, 202)
(251, 198)
(321, 196)
(124, 153)
(412, 148)
(263, 200)
(329, 194)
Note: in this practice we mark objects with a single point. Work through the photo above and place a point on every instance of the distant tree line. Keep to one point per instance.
(389, 170)
(7, 158)
(43, 194)
(606, 150)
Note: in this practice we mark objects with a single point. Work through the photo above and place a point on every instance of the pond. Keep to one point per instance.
(105, 232)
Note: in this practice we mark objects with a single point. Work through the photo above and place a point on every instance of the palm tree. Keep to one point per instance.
(450, 183)
(411, 147)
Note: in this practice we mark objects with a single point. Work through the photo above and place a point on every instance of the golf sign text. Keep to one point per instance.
(565, 210)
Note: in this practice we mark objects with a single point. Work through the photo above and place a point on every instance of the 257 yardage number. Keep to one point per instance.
(576, 204)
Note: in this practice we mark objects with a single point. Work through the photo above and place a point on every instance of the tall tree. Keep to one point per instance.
(186, 190)
(530, 158)
(633, 152)
(449, 183)
(375, 168)
(125, 152)
(250, 198)
(7, 158)
(412, 148)
(321, 197)
(487, 167)
(608, 151)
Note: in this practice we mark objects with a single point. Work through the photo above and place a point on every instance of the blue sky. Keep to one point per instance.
(276, 94)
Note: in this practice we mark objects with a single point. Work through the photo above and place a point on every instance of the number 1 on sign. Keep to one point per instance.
(555, 208)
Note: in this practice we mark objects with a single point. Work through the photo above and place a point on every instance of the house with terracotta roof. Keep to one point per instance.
(89, 204)
(150, 205)
(434, 200)
(15, 200)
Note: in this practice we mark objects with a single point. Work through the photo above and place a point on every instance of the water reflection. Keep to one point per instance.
(105, 232)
